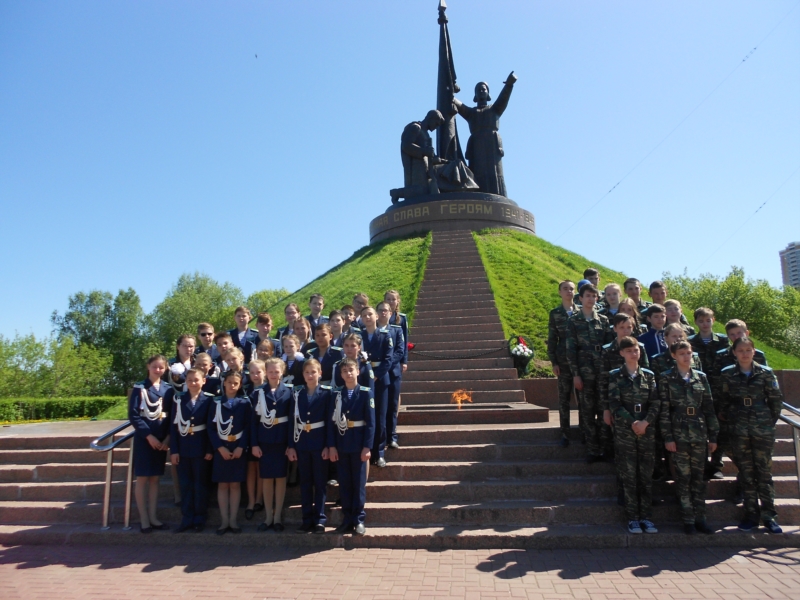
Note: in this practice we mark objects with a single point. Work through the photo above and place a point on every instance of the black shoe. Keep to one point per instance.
(145, 529)
(249, 513)
(161, 527)
(183, 527)
(258, 507)
(564, 441)
(703, 528)
(277, 527)
(688, 529)
(318, 529)
(263, 527)
(380, 463)
(305, 528)
(235, 529)
(222, 530)
(394, 445)
(360, 529)
(772, 526)
(342, 529)
(748, 525)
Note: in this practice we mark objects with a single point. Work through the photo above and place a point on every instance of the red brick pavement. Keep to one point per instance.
(66, 572)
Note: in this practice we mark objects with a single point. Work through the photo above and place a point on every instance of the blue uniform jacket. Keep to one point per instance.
(253, 347)
(311, 409)
(400, 353)
(281, 402)
(158, 427)
(332, 356)
(366, 377)
(241, 411)
(339, 341)
(249, 336)
(379, 350)
(314, 322)
(403, 323)
(361, 407)
(653, 342)
(192, 445)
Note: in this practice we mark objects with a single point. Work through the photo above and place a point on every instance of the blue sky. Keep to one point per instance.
(141, 140)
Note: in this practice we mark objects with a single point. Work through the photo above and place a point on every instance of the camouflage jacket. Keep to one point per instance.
(750, 405)
(633, 398)
(663, 362)
(557, 335)
(725, 358)
(708, 351)
(612, 359)
(585, 341)
(687, 410)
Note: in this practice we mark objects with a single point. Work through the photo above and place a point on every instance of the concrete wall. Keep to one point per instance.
(544, 391)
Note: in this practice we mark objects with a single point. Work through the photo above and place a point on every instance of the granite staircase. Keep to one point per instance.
(488, 475)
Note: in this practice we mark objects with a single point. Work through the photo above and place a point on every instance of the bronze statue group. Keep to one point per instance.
(663, 401)
(315, 405)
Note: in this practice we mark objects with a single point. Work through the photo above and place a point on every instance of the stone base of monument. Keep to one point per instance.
(453, 211)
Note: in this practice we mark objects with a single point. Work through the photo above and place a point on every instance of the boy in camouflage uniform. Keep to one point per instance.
(707, 343)
(689, 427)
(587, 332)
(633, 289)
(751, 404)
(735, 328)
(663, 362)
(557, 353)
(633, 399)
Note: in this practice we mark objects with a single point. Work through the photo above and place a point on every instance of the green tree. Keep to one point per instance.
(87, 319)
(23, 362)
(77, 369)
(261, 301)
(193, 299)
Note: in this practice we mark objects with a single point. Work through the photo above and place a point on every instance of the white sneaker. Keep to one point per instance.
(648, 526)
(633, 527)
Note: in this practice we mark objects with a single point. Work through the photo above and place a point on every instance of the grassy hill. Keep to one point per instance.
(524, 272)
(396, 264)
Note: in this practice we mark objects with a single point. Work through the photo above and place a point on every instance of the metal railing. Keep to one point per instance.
(109, 448)
(795, 435)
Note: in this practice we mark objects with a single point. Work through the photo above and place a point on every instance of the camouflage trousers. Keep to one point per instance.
(596, 431)
(565, 391)
(754, 459)
(634, 459)
(690, 463)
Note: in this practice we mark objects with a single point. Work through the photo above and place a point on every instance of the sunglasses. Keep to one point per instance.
(207, 334)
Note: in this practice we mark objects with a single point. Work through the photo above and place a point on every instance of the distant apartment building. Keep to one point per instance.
(790, 265)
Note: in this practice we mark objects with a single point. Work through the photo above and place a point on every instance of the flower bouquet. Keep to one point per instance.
(522, 353)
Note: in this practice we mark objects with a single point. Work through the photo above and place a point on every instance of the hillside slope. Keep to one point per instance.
(524, 272)
(396, 264)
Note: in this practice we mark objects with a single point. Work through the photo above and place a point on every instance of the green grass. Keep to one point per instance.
(397, 264)
(118, 412)
(524, 272)
(32, 410)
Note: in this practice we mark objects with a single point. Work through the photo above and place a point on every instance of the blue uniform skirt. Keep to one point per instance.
(273, 463)
(229, 471)
(146, 461)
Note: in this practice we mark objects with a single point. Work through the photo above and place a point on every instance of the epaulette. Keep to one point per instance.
(384, 329)
(655, 356)
(139, 386)
(325, 387)
(608, 346)
(394, 325)
(208, 394)
(295, 387)
(723, 350)
(728, 368)
(366, 389)
(765, 367)
(615, 371)
(401, 314)
(691, 337)
(648, 371)
(667, 372)
(337, 348)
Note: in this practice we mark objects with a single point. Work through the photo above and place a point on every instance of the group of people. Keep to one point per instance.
(319, 401)
(660, 398)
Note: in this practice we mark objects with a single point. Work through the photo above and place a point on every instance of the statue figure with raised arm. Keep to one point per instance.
(485, 148)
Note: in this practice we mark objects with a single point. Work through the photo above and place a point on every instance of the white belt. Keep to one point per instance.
(191, 429)
(278, 421)
(351, 424)
(376, 363)
(233, 438)
(309, 426)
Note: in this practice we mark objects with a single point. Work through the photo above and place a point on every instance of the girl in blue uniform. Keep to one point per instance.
(229, 432)
(351, 432)
(183, 361)
(149, 411)
(257, 375)
(326, 354)
(270, 440)
(308, 445)
(293, 375)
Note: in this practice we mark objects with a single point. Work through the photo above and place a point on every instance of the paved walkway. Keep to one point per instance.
(65, 572)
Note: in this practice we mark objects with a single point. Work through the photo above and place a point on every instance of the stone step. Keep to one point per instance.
(425, 351)
(453, 307)
(478, 397)
(461, 259)
(427, 337)
(413, 375)
(472, 347)
(455, 286)
(456, 269)
(420, 363)
(544, 488)
(445, 294)
(24, 442)
(60, 472)
(425, 537)
(438, 414)
(481, 330)
(42, 456)
(435, 313)
(465, 322)
(472, 385)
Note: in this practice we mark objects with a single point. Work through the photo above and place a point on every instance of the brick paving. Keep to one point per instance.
(66, 572)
